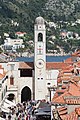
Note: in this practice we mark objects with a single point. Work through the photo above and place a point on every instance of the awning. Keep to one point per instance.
(2, 118)
(6, 110)
(6, 105)
(45, 111)
(10, 102)
(43, 114)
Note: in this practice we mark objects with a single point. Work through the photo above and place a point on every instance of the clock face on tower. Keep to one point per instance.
(40, 63)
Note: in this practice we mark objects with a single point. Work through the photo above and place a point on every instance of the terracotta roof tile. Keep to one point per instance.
(49, 65)
(65, 78)
(60, 99)
(77, 110)
(62, 110)
(71, 116)
(60, 74)
(56, 95)
(67, 75)
(2, 76)
(76, 78)
(59, 80)
(56, 65)
(27, 65)
(73, 90)
(69, 60)
(69, 68)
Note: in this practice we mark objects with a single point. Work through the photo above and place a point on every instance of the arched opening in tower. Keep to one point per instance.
(11, 97)
(40, 37)
(25, 94)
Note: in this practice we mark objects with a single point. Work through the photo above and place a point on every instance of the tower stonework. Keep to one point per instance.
(40, 58)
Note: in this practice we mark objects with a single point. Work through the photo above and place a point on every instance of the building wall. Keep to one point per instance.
(13, 44)
(12, 68)
(23, 82)
(51, 77)
(3, 89)
(10, 41)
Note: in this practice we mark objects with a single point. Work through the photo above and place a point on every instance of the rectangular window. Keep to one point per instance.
(26, 73)
(11, 80)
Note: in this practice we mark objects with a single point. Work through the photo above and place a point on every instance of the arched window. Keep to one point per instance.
(40, 37)
(11, 80)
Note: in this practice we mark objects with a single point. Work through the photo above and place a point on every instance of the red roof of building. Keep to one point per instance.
(77, 110)
(69, 60)
(49, 65)
(62, 110)
(25, 65)
(18, 33)
(63, 113)
(56, 65)
(73, 90)
(71, 116)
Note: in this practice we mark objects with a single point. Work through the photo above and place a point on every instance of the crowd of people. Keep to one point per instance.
(22, 111)
(31, 110)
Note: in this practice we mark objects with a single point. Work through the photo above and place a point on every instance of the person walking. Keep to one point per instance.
(27, 117)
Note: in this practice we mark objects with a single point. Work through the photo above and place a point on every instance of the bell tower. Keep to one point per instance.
(40, 58)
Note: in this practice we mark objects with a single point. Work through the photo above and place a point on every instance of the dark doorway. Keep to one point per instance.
(11, 97)
(25, 94)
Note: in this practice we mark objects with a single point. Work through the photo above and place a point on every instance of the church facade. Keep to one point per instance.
(32, 80)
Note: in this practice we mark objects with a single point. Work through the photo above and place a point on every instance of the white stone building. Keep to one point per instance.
(12, 44)
(3, 84)
(32, 80)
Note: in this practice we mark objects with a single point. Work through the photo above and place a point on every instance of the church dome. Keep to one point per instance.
(39, 20)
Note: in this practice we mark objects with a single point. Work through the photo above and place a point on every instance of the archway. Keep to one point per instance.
(25, 94)
(40, 37)
(11, 97)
